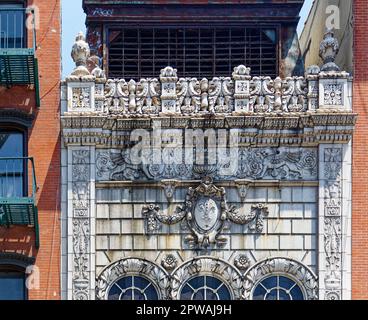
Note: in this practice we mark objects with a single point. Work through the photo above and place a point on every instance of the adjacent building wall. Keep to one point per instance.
(44, 146)
(360, 151)
(315, 27)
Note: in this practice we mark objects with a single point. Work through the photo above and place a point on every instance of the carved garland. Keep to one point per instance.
(300, 273)
(131, 267)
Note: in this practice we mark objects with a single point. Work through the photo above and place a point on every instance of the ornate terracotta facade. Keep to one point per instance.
(271, 194)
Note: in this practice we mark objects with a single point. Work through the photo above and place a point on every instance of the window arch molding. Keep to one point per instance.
(279, 266)
(136, 267)
(207, 266)
(15, 261)
(16, 118)
(14, 266)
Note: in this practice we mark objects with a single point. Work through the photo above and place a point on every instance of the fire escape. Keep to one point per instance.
(18, 63)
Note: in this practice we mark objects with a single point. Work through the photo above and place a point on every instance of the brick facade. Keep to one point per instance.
(44, 146)
(360, 151)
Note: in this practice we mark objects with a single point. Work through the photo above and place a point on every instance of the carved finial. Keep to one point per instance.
(168, 74)
(80, 54)
(328, 51)
(241, 73)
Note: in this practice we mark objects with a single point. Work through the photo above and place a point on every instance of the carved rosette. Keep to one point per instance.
(242, 262)
(81, 224)
(300, 273)
(132, 267)
(207, 266)
(332, 219)
(169, 262)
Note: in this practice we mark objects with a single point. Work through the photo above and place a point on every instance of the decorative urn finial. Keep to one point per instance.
(328, 51)
(80, 54)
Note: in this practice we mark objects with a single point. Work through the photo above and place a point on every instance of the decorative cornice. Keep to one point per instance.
(307, 129)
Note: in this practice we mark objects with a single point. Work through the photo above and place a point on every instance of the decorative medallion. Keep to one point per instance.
(205, 212)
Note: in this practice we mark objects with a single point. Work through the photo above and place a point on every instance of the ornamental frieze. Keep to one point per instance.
(252, 163)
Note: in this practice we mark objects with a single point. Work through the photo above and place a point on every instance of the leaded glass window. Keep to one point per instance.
(205, 288)
(133, 288)
(278, 288)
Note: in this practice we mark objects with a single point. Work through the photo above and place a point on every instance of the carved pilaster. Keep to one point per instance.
(80, 224)
(330, 221)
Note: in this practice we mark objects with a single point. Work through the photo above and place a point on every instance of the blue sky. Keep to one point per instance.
(73, 21)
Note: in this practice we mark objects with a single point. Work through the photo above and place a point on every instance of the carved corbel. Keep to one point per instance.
(169, 187)
(243, 187)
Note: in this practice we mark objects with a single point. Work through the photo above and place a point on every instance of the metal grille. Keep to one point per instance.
(195, 52)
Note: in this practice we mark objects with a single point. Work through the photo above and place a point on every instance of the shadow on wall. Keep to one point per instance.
(18, 239)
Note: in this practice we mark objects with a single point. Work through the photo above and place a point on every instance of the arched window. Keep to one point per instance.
(133, 288)
(13, 276)
(280, 278)
(205, 288)
(278, 288)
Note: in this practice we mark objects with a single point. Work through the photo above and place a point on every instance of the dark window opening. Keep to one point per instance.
(194, 52)
(12, 26)
(12, 285)
(13, 177)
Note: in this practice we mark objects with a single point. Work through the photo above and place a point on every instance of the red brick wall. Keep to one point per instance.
(360, 153)
(44, 146)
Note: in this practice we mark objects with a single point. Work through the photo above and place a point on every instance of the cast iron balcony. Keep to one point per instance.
(18, 193)
(18, 62)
